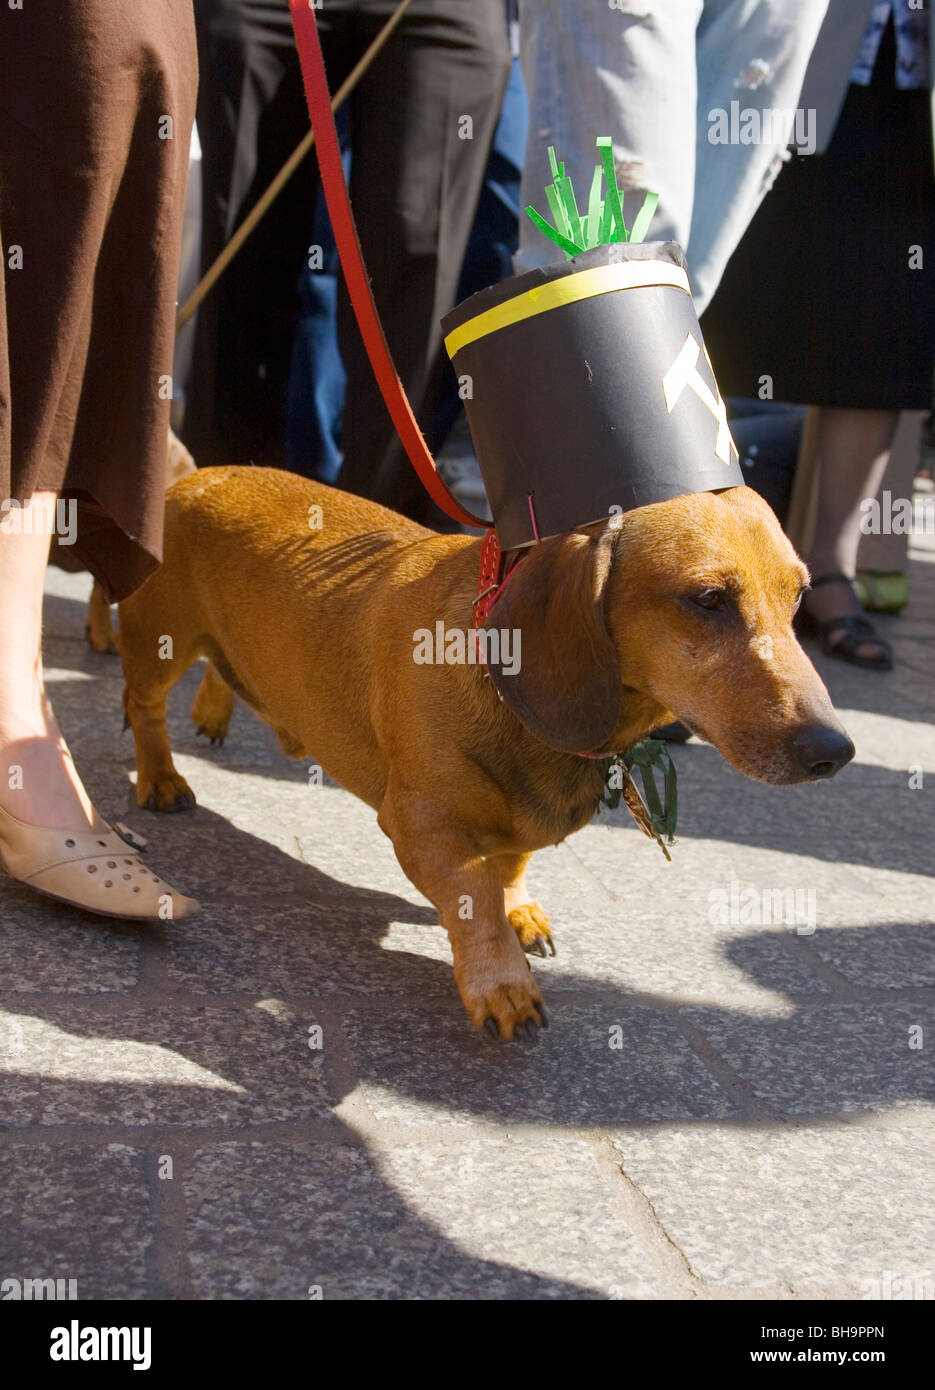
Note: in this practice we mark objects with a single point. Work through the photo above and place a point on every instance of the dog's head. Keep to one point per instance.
(683, 608)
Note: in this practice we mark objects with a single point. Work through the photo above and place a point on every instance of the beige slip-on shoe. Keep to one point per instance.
(99, 871)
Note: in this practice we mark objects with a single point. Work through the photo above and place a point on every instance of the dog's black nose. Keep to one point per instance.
(821, 750)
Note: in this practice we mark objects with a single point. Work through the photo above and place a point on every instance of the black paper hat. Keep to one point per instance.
(589, 391)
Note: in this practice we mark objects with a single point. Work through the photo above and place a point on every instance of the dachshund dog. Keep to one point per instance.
(316, 608)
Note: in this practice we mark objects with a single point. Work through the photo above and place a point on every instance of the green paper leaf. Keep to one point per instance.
(558, 211)
(567, 194)
(567, 246)
(612, 199)
(644, 217)
(648, 755)
(603, 223)
(595, 209)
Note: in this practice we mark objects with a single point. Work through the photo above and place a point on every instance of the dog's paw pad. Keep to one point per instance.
(532, 927)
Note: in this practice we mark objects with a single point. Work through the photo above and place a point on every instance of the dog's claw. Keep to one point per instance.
(490, 1026)
(530, 1030)
(538, 947)
(543, 1016)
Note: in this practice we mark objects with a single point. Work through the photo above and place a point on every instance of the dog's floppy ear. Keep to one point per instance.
(567, 688)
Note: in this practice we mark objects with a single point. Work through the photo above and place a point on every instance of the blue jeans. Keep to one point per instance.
(317, 380)
(654, 74)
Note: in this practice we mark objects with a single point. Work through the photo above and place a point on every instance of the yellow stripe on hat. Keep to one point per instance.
(567, 289)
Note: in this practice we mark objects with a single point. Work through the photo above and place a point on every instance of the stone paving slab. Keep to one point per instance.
(817, 1210)
(887, 955)
(161, 1063)
(418, 1068)
(830, 1061)
(315, 949)
(77, 1211)
(73, 953)
(483, 1219)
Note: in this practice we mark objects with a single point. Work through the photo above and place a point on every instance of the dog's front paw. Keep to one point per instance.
(513, 1008)
(168, 792)
(532, 927)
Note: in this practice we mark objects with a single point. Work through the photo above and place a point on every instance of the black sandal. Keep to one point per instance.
(852, 632)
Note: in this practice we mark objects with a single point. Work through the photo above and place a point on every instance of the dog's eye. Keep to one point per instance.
(710, 599)
(806, 589)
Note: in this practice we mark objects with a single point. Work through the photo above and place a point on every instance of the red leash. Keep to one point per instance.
(328, 150)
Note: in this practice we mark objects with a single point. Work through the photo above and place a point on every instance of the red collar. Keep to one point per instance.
(496, 569)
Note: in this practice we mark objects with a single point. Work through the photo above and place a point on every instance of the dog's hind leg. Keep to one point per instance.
(526, 917)
(153, 660)
(99, 629)
(492, 974)
(214, 704)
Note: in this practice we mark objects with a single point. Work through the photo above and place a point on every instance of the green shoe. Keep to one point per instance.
(882, 593)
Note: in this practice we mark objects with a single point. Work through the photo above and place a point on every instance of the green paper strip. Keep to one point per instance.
(558, 211)
(607, 225)
(612, 200)
(567, 194)
(603, 223)
(644, 217)
(595, 210)
(567, 246)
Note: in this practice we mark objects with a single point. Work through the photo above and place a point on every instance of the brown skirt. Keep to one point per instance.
(96, 107)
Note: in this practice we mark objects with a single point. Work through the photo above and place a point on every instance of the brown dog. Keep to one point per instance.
(314, 606)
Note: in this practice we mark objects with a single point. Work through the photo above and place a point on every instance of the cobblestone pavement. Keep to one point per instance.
(724, 1106)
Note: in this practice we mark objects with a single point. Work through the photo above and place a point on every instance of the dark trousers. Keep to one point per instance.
(422, 121)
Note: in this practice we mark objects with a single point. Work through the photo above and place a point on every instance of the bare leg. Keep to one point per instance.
(853, 451)
(39, 783)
